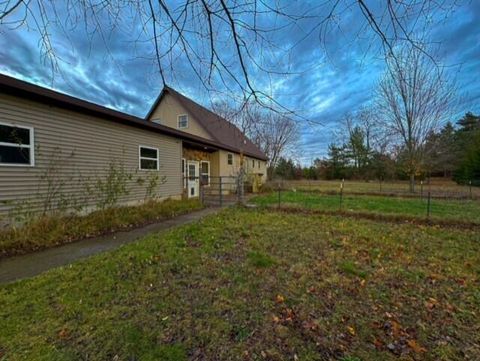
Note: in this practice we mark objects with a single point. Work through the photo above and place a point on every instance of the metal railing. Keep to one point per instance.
(217, 191)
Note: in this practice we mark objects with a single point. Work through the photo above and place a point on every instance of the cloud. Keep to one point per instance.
(118, 70)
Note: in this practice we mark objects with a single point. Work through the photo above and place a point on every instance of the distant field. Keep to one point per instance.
(437, 187)
(454, 210)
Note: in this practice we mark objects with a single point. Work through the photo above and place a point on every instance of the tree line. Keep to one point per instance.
(453, 151)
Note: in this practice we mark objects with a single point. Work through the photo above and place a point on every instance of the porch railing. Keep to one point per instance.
(217, 191)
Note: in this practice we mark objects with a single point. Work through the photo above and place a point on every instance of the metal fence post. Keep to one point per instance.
(428, 206)
(341, 194)
(220, 190)
(279, 195)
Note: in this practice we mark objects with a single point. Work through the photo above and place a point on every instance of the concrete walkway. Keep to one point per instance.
(29, 265)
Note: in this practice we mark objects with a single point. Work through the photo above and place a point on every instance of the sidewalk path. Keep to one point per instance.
(29, 265)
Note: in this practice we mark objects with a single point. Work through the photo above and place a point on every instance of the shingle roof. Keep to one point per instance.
(221, 130)
(20, 88)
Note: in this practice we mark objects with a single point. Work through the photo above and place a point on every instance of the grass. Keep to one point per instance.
(464, 210)
(258, 285)
(55, 230)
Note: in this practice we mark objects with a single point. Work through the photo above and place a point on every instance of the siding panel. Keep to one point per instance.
(81, 147)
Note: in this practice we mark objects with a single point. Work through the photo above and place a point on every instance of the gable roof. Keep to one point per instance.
(23, 89)
(221, 130)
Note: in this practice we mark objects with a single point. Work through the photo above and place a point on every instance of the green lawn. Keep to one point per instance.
(49, 231)
(462, 210)
(258, 285)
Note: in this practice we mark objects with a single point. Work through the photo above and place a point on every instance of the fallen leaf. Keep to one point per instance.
(280, 299)
(351, 330)
(431, 303)
(378, 343)
(396, 329)
(415, 346)
(64, 334)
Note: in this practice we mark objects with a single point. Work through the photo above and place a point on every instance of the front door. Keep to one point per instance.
(193, 179)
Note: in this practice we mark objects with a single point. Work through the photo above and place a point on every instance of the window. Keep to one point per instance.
(182, 121)
(148, 158)
(205, 173)
(258, 163)
(16, 145)
(184, 169)
(229, 158)
(253, 163)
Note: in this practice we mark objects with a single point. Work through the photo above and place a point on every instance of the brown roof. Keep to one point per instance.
(16, 87)
(221, 130)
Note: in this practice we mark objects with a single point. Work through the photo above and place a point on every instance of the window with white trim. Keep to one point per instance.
(182, 121)
(148, 158)
(205, 172)
(16, 145)
(229, 158)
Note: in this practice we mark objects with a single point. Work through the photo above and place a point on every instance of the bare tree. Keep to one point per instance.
(414, 97)
(277, 136)
(245, 116)
(226, 44)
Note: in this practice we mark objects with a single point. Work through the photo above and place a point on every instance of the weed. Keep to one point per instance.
(261, 260)
(352, 269)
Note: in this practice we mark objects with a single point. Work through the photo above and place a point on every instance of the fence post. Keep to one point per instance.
(220, 190)
(240, 189)
(380, 185)
(428, 206)
(470, 187)
(279, 191)
(202, 197)
(421, 189)
(341, 194)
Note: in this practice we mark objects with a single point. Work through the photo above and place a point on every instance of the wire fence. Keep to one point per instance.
(438, 188)
(456, 205)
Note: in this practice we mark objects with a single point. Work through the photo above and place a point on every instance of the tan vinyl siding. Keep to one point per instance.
(81, 148)
(168, 111)
(222, 168)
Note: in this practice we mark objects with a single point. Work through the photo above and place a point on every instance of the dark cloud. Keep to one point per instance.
(332, 75)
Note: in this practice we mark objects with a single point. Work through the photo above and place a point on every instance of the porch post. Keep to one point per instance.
(220, 190)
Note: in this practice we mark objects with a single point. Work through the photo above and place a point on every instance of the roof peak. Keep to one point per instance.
(219, 128)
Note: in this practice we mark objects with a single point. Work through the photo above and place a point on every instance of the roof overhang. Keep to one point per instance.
(22, 89)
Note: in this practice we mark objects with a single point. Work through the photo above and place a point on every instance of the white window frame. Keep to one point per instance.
(157, 159)
(178, 121)
(31, 146)
(184, 172)
(207, 174)
(228, 161)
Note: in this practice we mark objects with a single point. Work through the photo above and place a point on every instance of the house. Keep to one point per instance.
(60, 151)
(176, 111)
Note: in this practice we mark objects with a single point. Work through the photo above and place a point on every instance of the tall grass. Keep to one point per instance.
(50, 231)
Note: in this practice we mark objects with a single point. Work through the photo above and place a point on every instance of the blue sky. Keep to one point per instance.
(326, 80)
